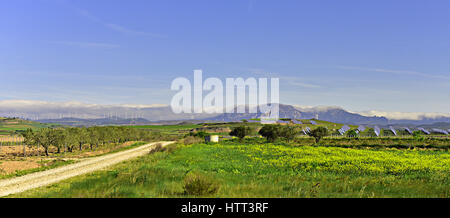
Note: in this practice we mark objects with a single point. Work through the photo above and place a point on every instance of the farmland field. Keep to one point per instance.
(253, 166)
(235, 169)
(9, 126)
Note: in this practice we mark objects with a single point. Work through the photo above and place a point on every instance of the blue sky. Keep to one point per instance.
(361, 55)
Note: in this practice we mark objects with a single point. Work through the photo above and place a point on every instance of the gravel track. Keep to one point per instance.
(39, 179)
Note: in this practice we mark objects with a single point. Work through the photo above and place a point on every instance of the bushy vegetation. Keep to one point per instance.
(241, 131)
(270, 132)
(198, 184)
(77, 138)
(318, 133)
(392, 142)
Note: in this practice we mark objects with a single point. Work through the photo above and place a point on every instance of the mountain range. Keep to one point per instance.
(94, 114)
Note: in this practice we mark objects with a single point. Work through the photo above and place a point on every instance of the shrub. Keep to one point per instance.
(418, 136)
(270, 132)
(318, 133)
(352, 133)
(198, 184)
(158, 147)
(170, 148)
(199, 134)
(288, 132)
(241, 132)
(192, 140)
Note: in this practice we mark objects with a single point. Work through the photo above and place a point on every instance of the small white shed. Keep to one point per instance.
(212, 138)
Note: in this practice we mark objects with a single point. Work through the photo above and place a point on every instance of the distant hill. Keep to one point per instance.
(286, 111)
(97, 122)
(338, 115)
(10, 126)
(75, 113)
(335, 115)
(440, 125)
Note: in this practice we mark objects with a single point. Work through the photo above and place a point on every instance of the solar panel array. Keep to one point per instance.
(254, 121)
(393, 130)
(424, 130)
(313, 122)
(283, 121)
(408, 130)
(440, 131)
(344, 129)
(377, 130)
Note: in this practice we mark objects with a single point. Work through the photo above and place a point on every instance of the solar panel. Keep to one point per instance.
(440, 131)
(377, 130)
(344, 129)
(297, 122)
(313, 122)
(254, 121)
(424, 130)
(304, 132)
(393, 130)
(307, 130)
(283, 121)
(361, 128)
(408, 130)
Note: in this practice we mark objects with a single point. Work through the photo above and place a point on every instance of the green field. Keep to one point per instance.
(168, 127)
(233, 169)
(9, 126)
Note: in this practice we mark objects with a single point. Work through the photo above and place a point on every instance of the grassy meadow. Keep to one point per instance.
(248, 169)
(10, 126)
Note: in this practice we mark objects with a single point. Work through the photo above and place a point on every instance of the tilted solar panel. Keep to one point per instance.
(393, 130)
(313, 122)
(440, 131)
(377, 130)
(306, 130)
(408, 130)
(344, 129)
(361, 128)
(424, 130)
(297, 122)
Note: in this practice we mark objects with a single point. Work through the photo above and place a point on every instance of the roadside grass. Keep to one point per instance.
(45, 165)
(266, 170)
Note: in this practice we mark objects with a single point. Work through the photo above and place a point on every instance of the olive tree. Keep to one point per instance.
(270, 132)
(241, 132)
(318, 133)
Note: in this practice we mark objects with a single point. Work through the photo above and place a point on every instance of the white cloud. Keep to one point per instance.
(400, 72)
(125, 30)
(403, 115)
(306, 108)
(31, 104)
(87, 44)
(304, 85)
(116, 27)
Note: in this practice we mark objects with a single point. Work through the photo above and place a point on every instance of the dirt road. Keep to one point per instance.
(39, 179)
